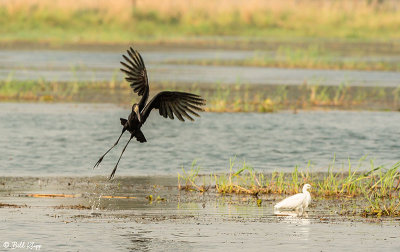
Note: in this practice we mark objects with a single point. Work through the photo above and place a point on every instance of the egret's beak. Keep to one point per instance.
(136, 110)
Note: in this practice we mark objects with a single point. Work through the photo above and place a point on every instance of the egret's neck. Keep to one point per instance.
(305, 191)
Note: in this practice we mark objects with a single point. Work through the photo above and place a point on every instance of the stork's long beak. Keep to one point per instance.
(136, 109)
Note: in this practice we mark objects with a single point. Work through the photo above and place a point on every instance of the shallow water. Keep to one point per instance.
(103, 66)
(67, 139)
(204, 233)
(183, 222)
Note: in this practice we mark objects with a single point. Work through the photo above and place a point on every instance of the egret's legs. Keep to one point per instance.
(299, 211)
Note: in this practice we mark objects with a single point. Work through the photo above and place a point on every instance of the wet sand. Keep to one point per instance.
(174, 220)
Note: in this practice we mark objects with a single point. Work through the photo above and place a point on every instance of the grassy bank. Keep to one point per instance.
(103, 21)
(220, 98)
(312, 56)
(376, 187)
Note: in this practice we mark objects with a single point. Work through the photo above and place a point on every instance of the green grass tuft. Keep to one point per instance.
(377, 188)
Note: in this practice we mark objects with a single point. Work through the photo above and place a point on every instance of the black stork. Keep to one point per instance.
(168, 103)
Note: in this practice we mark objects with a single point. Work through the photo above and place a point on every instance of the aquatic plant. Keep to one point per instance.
(186, 180)
(220, 97)
(316, 55)
(376, 187)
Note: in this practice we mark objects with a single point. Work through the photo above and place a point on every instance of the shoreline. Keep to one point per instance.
(220, 98)
(343, 192)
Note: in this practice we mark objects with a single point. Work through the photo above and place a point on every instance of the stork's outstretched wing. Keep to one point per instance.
(136, 74)
(179, 104)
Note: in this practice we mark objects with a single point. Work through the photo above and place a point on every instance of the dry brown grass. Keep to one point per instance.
(110, 9)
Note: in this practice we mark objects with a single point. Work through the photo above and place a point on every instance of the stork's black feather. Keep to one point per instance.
(170, 104)
(175, 103)
(136, 73)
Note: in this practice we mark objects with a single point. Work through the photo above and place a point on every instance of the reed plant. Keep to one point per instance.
(311, 56)
(220, 97)
(377, 187)
(187, 179)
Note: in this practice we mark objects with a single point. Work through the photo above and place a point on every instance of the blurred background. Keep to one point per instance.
(315, 79)
(121, 21)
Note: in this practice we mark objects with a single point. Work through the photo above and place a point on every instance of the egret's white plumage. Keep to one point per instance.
(298, 202)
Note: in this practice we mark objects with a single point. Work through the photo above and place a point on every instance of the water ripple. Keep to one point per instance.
(61, 139)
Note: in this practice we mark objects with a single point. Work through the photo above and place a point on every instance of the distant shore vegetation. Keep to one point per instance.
(220, 97)
(122, 21)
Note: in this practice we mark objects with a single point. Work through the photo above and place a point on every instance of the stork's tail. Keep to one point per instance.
(139, 136)
(123, 121)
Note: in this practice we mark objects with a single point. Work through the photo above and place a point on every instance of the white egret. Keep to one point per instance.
(298, 202)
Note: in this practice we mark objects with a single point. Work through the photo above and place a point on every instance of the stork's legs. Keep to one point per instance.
(101, 158)
(115, 168)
